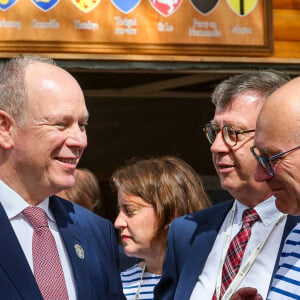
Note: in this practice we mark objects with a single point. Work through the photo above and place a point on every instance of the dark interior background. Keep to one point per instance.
(150, 109)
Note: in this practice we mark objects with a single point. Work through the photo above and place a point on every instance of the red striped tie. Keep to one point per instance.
(236, 250)
(46, 263)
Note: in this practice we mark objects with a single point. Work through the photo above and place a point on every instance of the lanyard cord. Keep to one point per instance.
(248, 263)
(137, 294)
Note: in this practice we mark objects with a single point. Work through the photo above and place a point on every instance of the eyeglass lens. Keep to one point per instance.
(228, 134)
(264, 162)
(211, 133)
(266, 165)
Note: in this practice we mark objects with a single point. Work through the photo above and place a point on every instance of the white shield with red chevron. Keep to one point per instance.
(166, 7)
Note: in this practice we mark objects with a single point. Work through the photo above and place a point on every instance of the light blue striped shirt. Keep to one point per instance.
(131, 279)
(286, 282)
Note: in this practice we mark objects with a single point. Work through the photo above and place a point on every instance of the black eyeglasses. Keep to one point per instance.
(229, 134)
(265, 162)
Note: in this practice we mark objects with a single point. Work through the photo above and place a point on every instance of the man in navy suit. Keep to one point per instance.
(42, 137)
(198, 243)
(276, 148)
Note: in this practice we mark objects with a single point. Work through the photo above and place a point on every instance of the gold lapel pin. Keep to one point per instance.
(79, 251)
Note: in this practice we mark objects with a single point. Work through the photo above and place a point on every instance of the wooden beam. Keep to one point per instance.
(170, 83)
(114, 93)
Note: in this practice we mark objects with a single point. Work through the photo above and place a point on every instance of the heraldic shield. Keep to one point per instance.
(166, 7)
(126, 6)
(204, 6)
(86, 5)
(45, 5)
(242, 7)
(7, 4)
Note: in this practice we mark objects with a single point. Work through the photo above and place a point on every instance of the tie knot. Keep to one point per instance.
(36, 216)
(250, 216)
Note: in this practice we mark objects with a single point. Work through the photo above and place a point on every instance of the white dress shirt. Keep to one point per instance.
(13, 205)
(260, 273)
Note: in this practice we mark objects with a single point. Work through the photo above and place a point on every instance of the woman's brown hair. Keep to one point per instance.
(168, 183)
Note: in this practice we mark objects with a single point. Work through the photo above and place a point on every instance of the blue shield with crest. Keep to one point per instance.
(126, 6)
(7, 4)
(45, 5)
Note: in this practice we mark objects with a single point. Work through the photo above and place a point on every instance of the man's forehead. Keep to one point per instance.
(246, 98)
(267, 138)
(260, 142)
(276, 125)
(236, 118)
(241, 123)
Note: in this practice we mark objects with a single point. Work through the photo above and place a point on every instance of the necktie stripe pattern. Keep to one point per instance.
(46, 263)
(236, 250)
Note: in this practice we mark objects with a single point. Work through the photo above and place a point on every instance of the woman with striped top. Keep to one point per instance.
(151, 193)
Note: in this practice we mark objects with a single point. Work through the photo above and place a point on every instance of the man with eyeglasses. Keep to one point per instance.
(198, 243)
(277, 141)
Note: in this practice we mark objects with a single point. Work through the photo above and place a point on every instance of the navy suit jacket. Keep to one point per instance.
(190, 240)
(96, 275)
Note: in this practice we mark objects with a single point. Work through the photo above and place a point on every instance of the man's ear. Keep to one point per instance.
(6, 122)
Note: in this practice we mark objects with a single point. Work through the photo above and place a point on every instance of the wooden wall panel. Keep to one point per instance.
(286, 19)
(282, 4)
(284, 49)
(286, 4)
(286, 16)
(296, 4)
(156, 27)
(286, 25)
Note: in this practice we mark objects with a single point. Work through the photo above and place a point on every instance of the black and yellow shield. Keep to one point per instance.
(242, 7)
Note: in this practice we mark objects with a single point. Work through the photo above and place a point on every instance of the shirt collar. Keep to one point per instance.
(266, 210)
(14, 204)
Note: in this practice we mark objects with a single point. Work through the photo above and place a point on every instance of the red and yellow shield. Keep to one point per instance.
(242, 7)
(86, 5)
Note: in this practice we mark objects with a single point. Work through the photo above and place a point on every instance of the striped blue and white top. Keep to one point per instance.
(131, 279)
(286, 282)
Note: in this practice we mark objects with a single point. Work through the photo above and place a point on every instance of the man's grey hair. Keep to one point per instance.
(13, 91)
(261, 82)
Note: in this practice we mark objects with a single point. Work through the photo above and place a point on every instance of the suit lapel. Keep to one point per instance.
(75, 245)
(13, 261)
(200, 250)
(203, 244)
